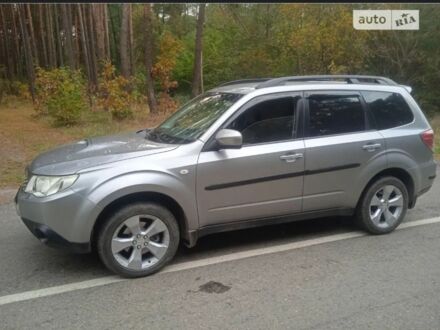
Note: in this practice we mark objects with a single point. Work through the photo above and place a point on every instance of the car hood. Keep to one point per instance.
(71, 158)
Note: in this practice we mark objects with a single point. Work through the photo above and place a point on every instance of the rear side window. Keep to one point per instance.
(388, 109)
(333, 113)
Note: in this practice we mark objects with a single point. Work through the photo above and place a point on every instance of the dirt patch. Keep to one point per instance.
(214, 287)
(7, 195)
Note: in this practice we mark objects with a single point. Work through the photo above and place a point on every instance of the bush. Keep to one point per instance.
(166, 104)
(113, 93)
(61, 94)
(169, 49)
(15, 88)
(2, 88)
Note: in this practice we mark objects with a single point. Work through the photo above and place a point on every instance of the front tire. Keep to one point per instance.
(138, 240)
(383, 206)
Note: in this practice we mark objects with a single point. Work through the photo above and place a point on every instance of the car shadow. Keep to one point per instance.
(233, 241)
(221, 243)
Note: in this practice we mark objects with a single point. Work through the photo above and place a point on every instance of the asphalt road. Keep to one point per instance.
(275, 277)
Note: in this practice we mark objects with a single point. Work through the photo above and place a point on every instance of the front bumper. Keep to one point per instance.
(51, 238)
(61, 220)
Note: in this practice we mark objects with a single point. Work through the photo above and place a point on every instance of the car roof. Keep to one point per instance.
(294, 83)
(243, 88)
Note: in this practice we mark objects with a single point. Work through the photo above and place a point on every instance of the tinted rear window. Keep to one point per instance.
(388, 109)
(331, 113)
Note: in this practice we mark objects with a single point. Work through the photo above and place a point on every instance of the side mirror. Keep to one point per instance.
(229, 139)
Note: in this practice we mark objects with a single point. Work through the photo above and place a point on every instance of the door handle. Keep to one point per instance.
(290, 158)
(371, 147)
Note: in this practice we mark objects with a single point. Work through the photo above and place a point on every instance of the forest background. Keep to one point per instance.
(68, 71)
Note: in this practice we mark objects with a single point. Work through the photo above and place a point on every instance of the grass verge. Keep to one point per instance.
(23, 135)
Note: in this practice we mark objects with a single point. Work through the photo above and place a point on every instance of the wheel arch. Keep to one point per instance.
(400, 174)
(147, 196)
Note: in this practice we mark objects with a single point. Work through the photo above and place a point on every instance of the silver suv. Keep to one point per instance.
(244, 154)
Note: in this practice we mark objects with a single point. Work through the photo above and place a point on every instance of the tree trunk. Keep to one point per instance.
(106, 33)
(91, 45)
(50, 37)
(58, 37)
(130, 29)
(98, 18)
(8, 58)
(67, 27)
(43, 35)
(27, 50)
(152, 104)
(124, 39)
(19, 67)
(114, 43)
(84, 41)
(197, 83)
(32, 33)
(77, 41)
(3, 45)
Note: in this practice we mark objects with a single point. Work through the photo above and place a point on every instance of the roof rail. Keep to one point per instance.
(242, 81)
(349, 79)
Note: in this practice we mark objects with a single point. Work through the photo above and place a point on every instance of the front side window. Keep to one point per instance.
(267, 121)
(388, 109)
(333, 113)
(194, 118)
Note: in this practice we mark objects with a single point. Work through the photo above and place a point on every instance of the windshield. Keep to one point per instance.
(193, 119)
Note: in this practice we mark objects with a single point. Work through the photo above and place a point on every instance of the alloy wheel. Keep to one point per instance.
(386, 206)
(140, 242)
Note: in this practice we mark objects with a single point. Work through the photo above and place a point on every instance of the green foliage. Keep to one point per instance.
(113, 94)
(20, 89)
(15, 88)
(319, 43)
(61, 94)
(265, 40)
(183, 68)
(169, 49)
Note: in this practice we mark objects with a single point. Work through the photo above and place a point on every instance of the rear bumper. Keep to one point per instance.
(427, 176)
(53, 239)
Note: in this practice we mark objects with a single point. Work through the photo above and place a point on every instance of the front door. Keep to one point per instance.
(262, 179)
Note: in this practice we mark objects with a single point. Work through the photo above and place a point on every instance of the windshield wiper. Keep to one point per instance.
(167, 138)
(160, 136)
(153, 136)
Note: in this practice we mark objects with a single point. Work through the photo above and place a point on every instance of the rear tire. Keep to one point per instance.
(138, 240)
(383, 206)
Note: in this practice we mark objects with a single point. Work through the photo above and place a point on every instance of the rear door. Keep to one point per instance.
(342, 150)
(265, 177)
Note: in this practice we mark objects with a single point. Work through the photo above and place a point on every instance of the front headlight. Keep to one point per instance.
(41, 186)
